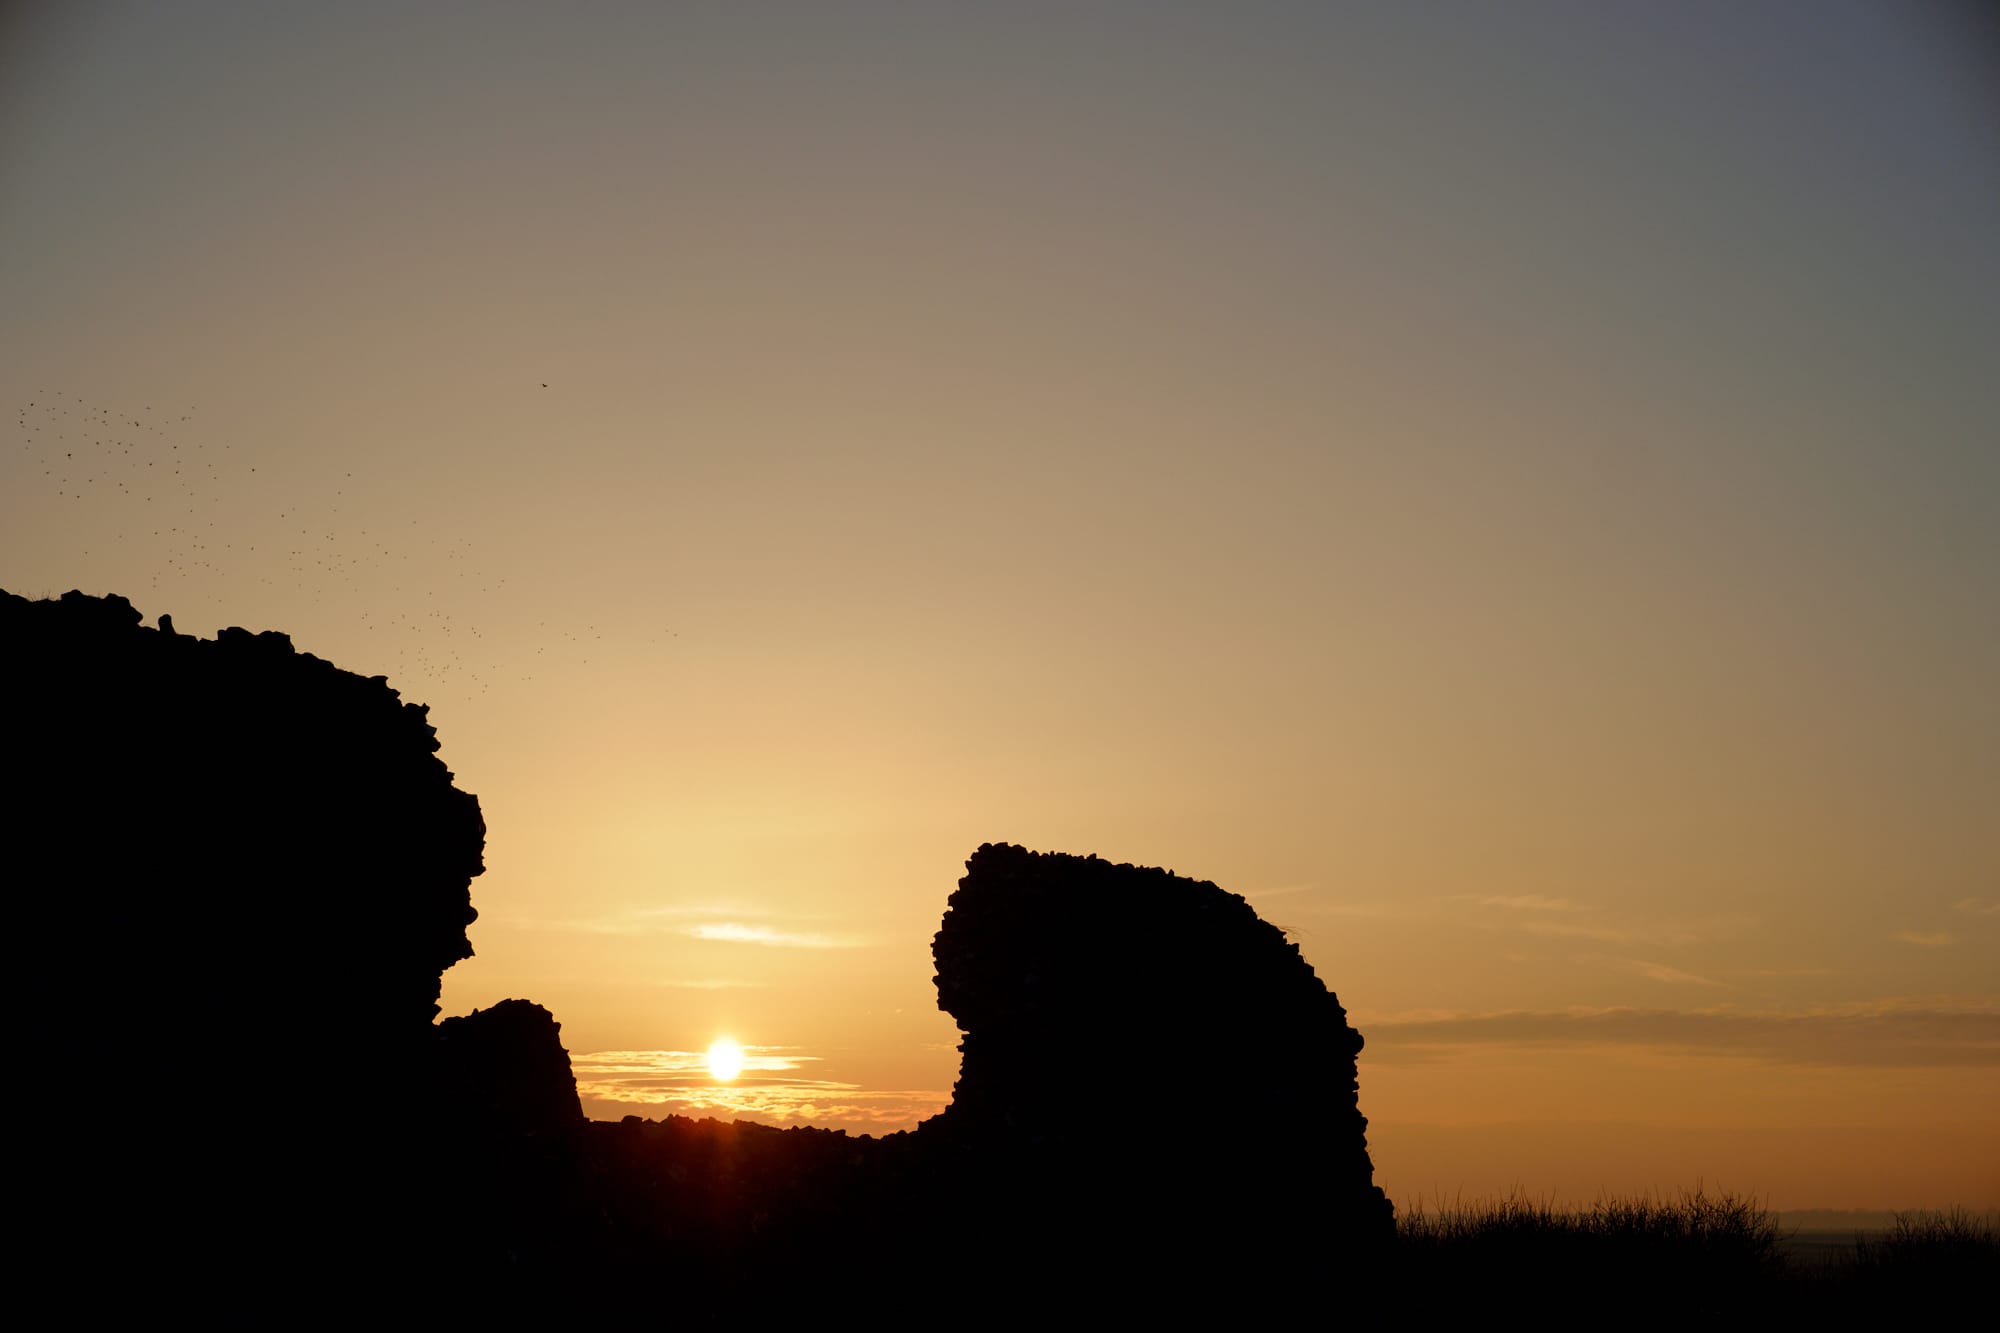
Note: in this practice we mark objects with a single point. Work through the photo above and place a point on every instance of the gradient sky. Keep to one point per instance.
(1513, 490)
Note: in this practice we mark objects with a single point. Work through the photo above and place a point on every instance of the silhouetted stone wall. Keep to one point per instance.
(259, 843)
(238, 874)
(1142, 1051)
(503, 1071)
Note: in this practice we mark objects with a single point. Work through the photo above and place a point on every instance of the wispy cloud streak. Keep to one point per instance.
(1524, 902)
(1574, 930)
(737, 932)
(1886, 1034)
(771, 1089)
(1673, 976)
(734, 925)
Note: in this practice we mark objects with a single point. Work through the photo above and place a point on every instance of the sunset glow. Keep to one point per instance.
(725, 1060)
(1511, 490)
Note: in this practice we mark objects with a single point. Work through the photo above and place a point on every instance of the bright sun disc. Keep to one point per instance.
(725, 1059)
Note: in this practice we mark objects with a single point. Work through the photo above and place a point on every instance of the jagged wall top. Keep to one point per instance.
(243, 831)
(1107, 1009)
(1028, 934)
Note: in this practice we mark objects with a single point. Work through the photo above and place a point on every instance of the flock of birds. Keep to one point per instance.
(177, 510)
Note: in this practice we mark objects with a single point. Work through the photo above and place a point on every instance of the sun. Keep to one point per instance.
(725, 1059)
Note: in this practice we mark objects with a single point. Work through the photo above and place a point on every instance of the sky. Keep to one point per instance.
(1513, 491)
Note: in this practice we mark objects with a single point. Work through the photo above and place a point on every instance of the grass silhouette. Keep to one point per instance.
(1652, 1259)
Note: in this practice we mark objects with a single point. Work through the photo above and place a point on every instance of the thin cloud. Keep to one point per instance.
(1978, 906)
(771, 1089)
(1524, 902)
(1671, 975)
(1884, 1034)
(1575, 930)
(737, 932)
(675, 911)
(671, 1065)
(1934, 939)
(735, 926)
(666, 920)
(1565, 918)
(1374, 910)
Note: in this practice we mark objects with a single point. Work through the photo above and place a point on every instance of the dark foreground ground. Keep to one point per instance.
(740, 1218)
(1716, 1259)
(678, 1222)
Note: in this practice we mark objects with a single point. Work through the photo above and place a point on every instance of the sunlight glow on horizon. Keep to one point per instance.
(772, 1088)
(1529, 528)
(725, 1060)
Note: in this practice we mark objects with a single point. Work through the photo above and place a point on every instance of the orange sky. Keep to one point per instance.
(1512, 494)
